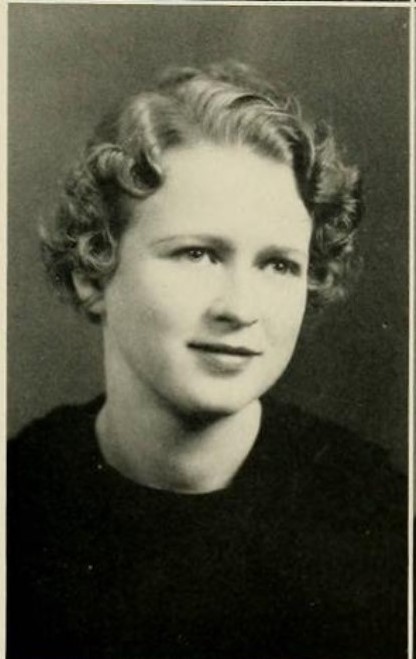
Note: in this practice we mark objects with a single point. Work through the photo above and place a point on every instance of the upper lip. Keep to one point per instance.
(223, 348)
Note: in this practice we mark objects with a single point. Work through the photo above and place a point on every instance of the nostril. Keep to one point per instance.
(236, 303)
(233, 319)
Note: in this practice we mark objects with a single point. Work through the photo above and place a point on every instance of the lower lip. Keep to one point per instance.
(223, 363)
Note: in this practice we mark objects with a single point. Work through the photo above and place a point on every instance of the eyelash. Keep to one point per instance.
(285, 266)
(196, 254)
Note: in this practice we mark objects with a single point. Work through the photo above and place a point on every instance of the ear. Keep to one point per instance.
(89, 293)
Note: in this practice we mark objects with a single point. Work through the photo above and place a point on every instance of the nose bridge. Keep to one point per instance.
(237, 299)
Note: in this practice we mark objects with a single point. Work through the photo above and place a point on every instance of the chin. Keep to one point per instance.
(216, 406)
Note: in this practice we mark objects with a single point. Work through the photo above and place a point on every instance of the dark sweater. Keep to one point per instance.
(302, 557)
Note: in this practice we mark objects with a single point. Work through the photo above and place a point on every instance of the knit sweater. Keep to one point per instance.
(303, 556)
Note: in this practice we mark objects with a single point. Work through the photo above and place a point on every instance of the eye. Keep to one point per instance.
(284, 266)
(196, 254)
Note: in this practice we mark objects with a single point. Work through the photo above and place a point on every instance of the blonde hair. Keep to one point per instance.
(223, 104)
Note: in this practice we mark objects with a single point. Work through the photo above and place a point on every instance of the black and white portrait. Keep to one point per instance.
(208, 226)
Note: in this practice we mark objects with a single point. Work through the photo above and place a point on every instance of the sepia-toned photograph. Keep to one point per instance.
(208, 285)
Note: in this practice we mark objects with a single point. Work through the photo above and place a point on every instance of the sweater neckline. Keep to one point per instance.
(251, 475)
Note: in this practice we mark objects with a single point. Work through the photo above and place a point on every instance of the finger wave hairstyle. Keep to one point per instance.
(227, 104)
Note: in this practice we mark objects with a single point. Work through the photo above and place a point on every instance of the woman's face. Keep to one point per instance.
(206, 305)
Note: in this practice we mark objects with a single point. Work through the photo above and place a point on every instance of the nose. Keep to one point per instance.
(236, 304)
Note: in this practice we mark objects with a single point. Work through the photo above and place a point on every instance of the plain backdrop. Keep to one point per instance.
(348, 65)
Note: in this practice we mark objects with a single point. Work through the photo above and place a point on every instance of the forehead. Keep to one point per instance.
(226, 190)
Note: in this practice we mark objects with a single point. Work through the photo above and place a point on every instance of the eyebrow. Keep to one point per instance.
(226, 246)
(214, 241)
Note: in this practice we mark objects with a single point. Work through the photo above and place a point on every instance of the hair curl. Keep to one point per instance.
(222, 104)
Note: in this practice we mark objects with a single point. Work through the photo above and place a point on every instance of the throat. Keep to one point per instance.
(185, 455)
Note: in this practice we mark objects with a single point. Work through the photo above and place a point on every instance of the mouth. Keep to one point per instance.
(223, 349)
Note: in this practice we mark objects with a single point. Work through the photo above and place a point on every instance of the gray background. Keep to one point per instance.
(67, 64)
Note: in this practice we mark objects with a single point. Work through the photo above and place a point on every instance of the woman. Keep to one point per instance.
(179, 516)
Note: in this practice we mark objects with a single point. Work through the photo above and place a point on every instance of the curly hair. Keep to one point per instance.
(223, 104)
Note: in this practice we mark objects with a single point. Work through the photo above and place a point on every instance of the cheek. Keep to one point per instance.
(284, 320)
(158, 301)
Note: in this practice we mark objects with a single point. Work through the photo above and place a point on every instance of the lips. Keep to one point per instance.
(223, 349)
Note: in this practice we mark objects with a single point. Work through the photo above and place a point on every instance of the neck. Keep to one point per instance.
(149, 442)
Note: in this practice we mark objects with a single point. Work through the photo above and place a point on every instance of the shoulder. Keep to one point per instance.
(51, 446)
(333, 466)
(59, 423)
(52, 485)
(347, 521)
